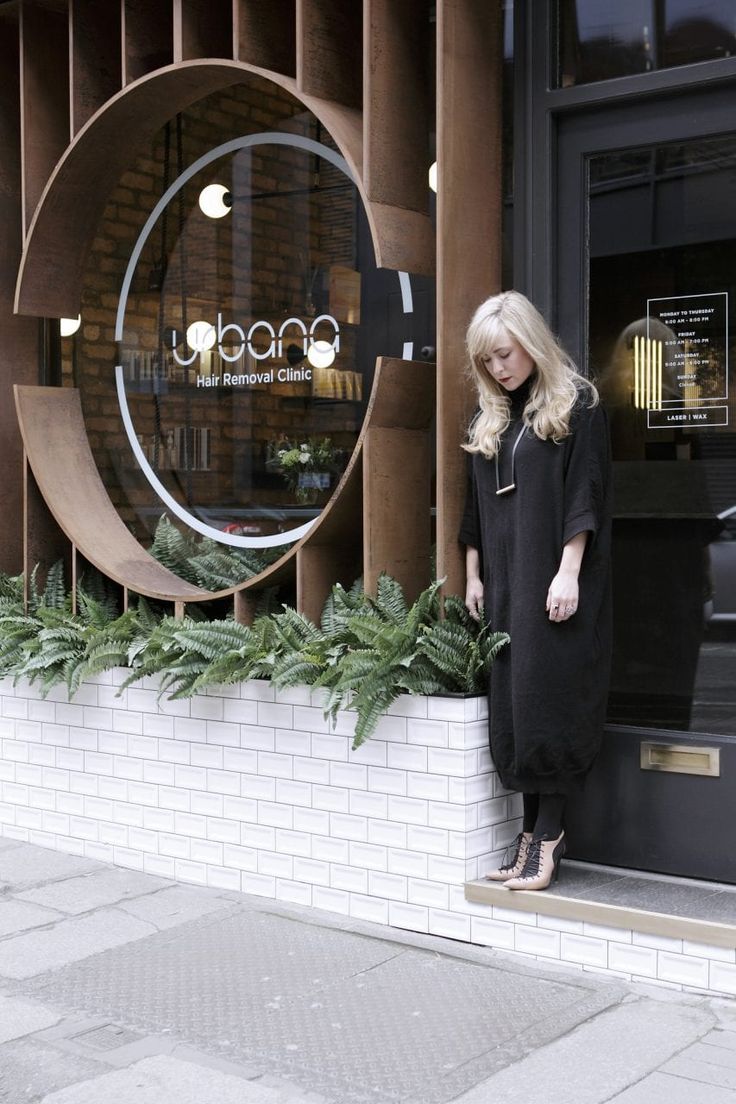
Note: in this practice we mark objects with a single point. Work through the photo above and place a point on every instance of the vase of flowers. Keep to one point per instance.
(308, 468)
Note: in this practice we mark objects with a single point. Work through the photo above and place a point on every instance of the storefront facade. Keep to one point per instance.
(293, 436)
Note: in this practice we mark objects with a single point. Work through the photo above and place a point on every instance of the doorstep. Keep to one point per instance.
(630, 923)
(677, 908)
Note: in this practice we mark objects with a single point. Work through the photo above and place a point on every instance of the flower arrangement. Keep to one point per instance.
(307, 468)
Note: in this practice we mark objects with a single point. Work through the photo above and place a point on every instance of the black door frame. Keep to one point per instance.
(627, 816)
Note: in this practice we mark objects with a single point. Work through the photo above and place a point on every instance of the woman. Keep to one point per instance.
(537, 531)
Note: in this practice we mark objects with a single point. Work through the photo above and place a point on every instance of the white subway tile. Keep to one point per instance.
(190, 778)
(115, 835)
(124, 767)
(187, 871)
(128, 813)
(467, 736)
(312, 871)
(155, 820)
(124, 720)
(239, 759)
(220, 877)
(72, 805)
(241, 858)
(604, 931)
(390, 886)
(258, 835)
(223, 782)
(111, 743)
(389, 833)
(42, 755)
(364, 803)
(294, 843)
(325, 746)
(631, 959)
(454, 709)
(449, 924)
(409, 705)
(314, 821)
(139, 839)
(142, 701)
(368, 908)
(239, 808)
(368, 855)
(51, 822)
(350, 878)
(101, 852)
(258, 690)
(15, 794)
(252, 786)
(386, 780)
(457, 818)
(29, 730)
(682, 969)
(289, 742)
(206, 755)
(332, 900)
(492, 933)
(224, 733)
(206, 804)
(297, 892)
(56, 734)
(371, 753)
(39, 798)
(175, 707)
(142, 747)
(350, 775)
(278, 766)
(191, 824)
(345, 826)
(429, 734)
(431, 894)
(427, 786)
(331, 798)
(706, 950)
(278, 865)
(42, 711)
(207, 709)
(411, 917)
(223, 831)
(308, 718)
(159, 773)
(433, 841)
(70, 714)
(390, 729)
(330, 849)
(159, 865)
(96, 763)
(240, 711)
(460, 764)
(294, 695)
(56, 779)
(537, 941)
(493, 811)
(583, 949)
(70, 759)
(442, 868)
(275, 715)
(185, 728)
(311, 770)
(407, 757)
(279, 816)
(171, 797)
(174, 751)
(658, 942)
(293, 792)
(505, 833)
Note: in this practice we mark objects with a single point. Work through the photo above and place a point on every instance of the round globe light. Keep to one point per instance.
(212, 201)
(321, 354)
(201, 336)
(69, 326)
(433, 176)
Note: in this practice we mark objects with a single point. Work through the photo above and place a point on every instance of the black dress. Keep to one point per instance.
(548, 687)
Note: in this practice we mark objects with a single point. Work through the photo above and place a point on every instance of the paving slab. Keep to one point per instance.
(170, 907)
(599, 1058)
(18, 916)
(29, 1070)
(93, 890)
(25, 866)
(20, 1017)
(36, 952)
(663, 1088)
(692, 1066)
(167, 1080)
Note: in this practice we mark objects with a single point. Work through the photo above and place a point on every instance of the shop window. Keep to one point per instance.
(598, 40)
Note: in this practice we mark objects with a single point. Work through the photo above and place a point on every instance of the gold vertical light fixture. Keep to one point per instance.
(648, 359)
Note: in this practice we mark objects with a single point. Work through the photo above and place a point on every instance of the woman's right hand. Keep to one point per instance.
(474, 597)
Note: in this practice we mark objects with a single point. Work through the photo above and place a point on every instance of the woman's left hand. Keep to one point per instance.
(562, 596)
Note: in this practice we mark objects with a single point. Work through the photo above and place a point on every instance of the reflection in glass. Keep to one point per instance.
(599, 40)
(662, 293)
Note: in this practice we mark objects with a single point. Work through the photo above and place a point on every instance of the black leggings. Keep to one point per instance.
(543, 814)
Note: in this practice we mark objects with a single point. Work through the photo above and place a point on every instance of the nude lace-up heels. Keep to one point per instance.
(516, 854)
(542, 864)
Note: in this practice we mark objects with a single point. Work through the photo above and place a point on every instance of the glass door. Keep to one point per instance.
(646, 286)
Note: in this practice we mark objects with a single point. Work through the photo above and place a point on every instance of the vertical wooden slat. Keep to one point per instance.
(44, 97)
(469, 63)
(203, 28)
(43, 541)
(329, 50)
(148, 31)
(19, 348)
(396, 102)
(318, 568)
(244, 607)
(95, 47)
(265, 34)
(397, 470)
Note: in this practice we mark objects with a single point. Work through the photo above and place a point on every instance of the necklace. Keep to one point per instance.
(512, 485)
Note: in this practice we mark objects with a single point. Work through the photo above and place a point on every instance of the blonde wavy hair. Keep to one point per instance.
(556, 388)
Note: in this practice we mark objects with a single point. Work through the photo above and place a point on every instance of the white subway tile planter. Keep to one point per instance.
(245, 788)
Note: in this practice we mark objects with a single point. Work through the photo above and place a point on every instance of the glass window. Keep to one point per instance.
(598, 40)
(661, 326)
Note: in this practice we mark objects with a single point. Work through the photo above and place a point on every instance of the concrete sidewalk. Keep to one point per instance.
(122, 987)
